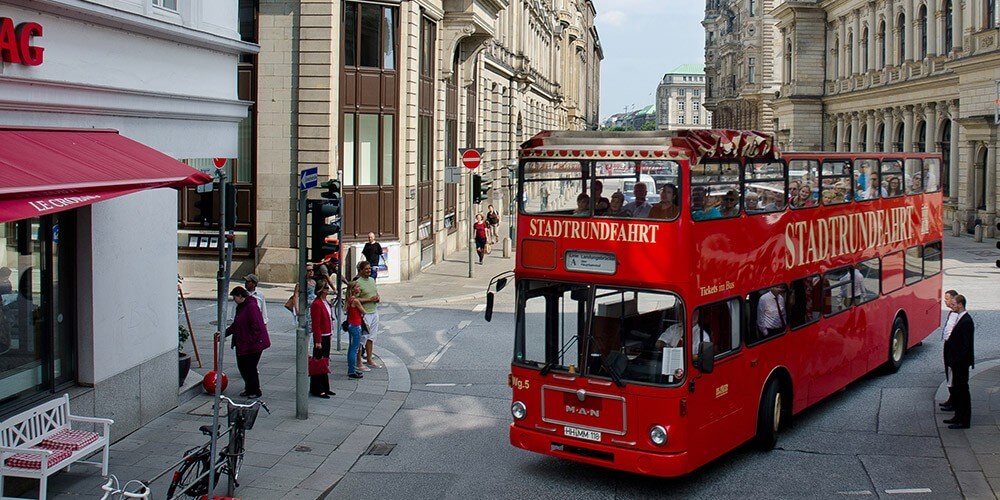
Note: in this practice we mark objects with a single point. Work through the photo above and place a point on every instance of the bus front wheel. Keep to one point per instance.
(897, 345)
(769, 417)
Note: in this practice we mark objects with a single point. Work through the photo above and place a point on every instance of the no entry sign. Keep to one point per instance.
(471, 158)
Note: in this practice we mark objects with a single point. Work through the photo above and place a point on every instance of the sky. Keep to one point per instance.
(642, 40)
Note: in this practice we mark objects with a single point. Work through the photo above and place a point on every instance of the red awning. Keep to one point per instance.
(44, 171)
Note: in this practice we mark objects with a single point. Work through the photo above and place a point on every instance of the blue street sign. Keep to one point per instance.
(308, 178)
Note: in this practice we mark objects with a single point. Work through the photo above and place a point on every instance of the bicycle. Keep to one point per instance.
(113, 491)
(191, 479)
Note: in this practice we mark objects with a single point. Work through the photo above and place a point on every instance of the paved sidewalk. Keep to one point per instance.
(286, 457)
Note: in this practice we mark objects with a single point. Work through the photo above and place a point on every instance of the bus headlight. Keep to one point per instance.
(658, 435)
(518, 410)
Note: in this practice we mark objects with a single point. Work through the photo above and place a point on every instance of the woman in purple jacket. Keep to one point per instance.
(250, 339)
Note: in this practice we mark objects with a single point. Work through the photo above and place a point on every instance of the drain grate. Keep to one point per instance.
(380, 449)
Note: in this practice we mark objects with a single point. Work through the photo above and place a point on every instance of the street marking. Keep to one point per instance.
(859, 492)
(463, 324)
(441, 385)
(908, 491)
(479, 307)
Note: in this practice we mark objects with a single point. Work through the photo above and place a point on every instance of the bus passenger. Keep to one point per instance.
(793, 189)
(916, 184)
(804, 198)
(895, 186)
(639, 207)
(730, 206)
(830, 197)
(582, 205)
(616, 207)
(771, 312)
(667, 207)
(601, 203)
(699, 206)
(753, 202)
(697, 332)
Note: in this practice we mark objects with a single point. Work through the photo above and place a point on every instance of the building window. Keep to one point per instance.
(883, 54)
(752, 70)
(901, 47)
(696, 92)
(695, 119)
(923, 30)
(991, 14)
(946, 155)
(37, 270)
(864, 51)
(680, 119)
(369, 36)
(680, 92)
(166, 4)
(949, 26)
(680, 105)
(753, 8)
(696, 106)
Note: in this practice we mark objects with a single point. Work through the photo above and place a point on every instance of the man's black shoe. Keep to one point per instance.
(355, 375)
(959, 426)
(947, 408)
(950, 421)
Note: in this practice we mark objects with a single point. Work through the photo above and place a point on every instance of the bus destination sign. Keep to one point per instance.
(591, 262)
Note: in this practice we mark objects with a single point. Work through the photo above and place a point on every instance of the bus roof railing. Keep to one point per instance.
(692, 145)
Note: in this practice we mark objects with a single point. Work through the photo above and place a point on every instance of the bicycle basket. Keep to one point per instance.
(249, 415)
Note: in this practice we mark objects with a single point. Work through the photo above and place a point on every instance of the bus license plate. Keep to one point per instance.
(582, 434)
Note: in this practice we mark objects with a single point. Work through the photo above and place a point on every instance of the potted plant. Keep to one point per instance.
(183, 358)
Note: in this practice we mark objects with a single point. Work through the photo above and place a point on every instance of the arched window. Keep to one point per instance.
(901, 48)
(864, 51)
(922, 17)
(788, 62)
(991, 14)
(897, 145)
(880, 138)
(847, 138)
(882, 53)
(946, 153)
(949, 26)
(836, 58)
(862, 139)
(847, 54)
(919, 145)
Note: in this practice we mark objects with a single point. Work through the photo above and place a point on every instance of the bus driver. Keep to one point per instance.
(673, 336)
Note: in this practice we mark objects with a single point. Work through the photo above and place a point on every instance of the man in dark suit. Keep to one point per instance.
(960, 356)
(949, 325)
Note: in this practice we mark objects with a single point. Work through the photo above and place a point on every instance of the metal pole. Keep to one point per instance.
(302, 331)
(341, 254)
(220, 323)
(472, 231)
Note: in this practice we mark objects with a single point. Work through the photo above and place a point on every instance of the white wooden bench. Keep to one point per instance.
(41, 441)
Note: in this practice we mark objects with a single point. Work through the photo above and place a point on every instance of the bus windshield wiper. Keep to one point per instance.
(613, 363)
(548, 366)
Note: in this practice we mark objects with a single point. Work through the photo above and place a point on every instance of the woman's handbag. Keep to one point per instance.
(318, 366)
(345, 325)
(290, 303)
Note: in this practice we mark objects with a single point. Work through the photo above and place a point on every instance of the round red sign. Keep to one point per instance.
(219, 162)
(471, 159)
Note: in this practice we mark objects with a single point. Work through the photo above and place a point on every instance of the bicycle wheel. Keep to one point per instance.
(234, 457)
(187, 477)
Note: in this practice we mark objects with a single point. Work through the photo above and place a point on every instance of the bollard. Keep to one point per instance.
(979, 233)
(956, 228)
(506, 248)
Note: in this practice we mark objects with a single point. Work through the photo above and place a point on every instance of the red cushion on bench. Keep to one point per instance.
(33, 461)
(68, 439)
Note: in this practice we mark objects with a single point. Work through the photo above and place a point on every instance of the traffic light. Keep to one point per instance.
(480, 188)
(230, 195)
(203, 212)
(326, 223)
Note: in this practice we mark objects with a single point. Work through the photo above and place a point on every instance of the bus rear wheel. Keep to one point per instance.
(897, 345)
(772, 408)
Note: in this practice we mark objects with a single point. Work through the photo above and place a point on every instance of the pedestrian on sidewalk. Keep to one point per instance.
(949, 324)
(310, 293)
(493, 219)
(355, 315)
(369, 299)
(322, 330)
(960, 356)
(250, 340)
(372, 252)
(251, 281)
(479, 228)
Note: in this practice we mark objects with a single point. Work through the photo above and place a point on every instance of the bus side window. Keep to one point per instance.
(838, 293)
(914, 176)
(804, 301)
(866, 183)
(932, 175)
(765, 187)
(892, 272)
(932, 259)
(768, 313)
(867, 276)
(836, 182)
(802, 187)
(892, 179)
(914, 269)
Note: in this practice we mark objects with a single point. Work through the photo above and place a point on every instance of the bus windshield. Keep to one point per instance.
(576, 328)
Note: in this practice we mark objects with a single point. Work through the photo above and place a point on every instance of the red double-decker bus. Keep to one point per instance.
(729, 290)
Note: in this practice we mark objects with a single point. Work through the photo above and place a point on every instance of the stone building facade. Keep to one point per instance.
(680, 99)
(739, 61)
(896, 75)
(384, 94)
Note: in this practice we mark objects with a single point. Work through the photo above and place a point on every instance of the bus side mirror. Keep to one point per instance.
(502, 282)
(489, 306)
(706, 357)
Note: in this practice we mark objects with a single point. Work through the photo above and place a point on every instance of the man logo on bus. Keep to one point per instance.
(587, 412)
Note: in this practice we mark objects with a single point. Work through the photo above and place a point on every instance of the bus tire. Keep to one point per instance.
(769, 415)
(897, 345)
